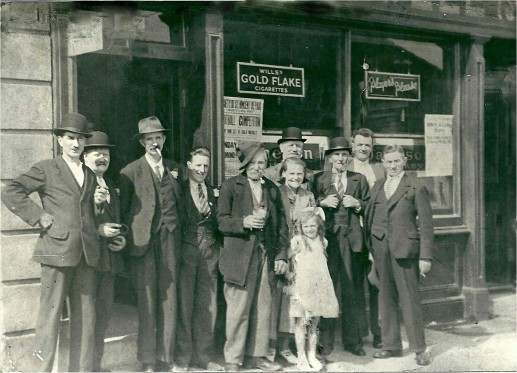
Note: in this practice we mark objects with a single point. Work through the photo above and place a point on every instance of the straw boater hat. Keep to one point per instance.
(248, 153)
(149, 125)
(291, 134)
(73, 122)
(338, 143)
(98, 140)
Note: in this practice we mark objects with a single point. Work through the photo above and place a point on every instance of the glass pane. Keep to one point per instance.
(400, 117)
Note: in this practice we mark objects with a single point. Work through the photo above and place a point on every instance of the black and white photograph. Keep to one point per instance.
(258, 185)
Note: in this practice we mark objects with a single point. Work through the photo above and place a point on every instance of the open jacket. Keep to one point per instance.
(235, 203)
(73, 232)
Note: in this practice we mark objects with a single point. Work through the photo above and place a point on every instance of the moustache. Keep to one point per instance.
(101, 162)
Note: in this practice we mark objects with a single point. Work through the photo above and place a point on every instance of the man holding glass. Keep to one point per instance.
(252, 220)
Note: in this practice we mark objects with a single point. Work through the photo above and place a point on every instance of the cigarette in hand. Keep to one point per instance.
(422, 274)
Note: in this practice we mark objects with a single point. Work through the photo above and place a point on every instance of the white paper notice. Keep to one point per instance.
(242, 124)
(438, 145)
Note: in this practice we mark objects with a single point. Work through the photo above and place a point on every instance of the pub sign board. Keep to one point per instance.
(392, 86)
(270, 80)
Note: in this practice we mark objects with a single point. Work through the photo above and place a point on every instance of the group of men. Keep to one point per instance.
(178, 233)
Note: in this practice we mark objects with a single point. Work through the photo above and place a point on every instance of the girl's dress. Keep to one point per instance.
(312, 292)
(294, 206)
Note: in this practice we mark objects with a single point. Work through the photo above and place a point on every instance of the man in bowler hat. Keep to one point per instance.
(97, 157)
(291, 145)
(252, 220)
(150, 204)
(402, 249)
(198, 268)
(343, 195)
(68, 245)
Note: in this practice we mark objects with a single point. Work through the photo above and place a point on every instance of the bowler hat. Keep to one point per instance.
(149, 125)
(98, 140)
(338, 143)
(248, 153)
(291, 134)
(73, 122)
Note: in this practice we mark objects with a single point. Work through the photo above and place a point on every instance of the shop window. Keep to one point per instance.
(406, 91)
(314, 51)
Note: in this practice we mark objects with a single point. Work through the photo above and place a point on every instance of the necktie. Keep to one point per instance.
(204, 209)
(340, 186)
(158, 172)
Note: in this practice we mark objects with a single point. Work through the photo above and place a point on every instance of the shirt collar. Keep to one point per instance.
(152, 162)
(72, 163)
(194, 184)
(398, 177)
(358, 162)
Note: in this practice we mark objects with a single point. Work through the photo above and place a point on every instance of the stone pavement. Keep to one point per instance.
(489, 345)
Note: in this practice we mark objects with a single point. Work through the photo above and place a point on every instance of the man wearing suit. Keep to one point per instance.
(150, 205)
(401, 252)
(68, 245)
(362, 146)
(291, 145)
(197, 290)
(252, 219)
(343, 195)
(97, 158)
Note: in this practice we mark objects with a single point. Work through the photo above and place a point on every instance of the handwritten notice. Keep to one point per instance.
(438, 145)
(242, 124)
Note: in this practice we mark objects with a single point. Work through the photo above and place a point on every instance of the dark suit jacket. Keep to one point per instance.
(203, 237)
(74, 230)
(138, 203)
(411, 199)
(110, 261)
(357, 187)
(236, 202)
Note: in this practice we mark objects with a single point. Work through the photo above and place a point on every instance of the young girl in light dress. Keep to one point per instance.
(311, 288)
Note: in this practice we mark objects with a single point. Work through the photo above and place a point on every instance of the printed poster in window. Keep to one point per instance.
(438, 145)
(242, 126)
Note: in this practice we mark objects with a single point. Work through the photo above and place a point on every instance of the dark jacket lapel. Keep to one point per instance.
(400, 191)
(67, 176)
(247, 199)
(328, 182)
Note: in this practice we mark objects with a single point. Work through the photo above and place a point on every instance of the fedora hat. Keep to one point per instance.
(338, 143)
(247, 154)
(149, 125)
(73, 122)
(97, 140)
(291, 134)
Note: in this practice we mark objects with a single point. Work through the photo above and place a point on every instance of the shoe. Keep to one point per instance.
(271, 353)
(148, 368)
(263, 364)
(356, 350)
(386, 354)
(178, 368)
(289, 356)
(422, 358)
(214, 367)
(377, 341)
(232, 367)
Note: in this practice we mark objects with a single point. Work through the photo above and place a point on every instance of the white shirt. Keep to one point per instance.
(366, 169)
(391, 184)
(77, 170)
(153, 163)
(256, 188)
(194, 192)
